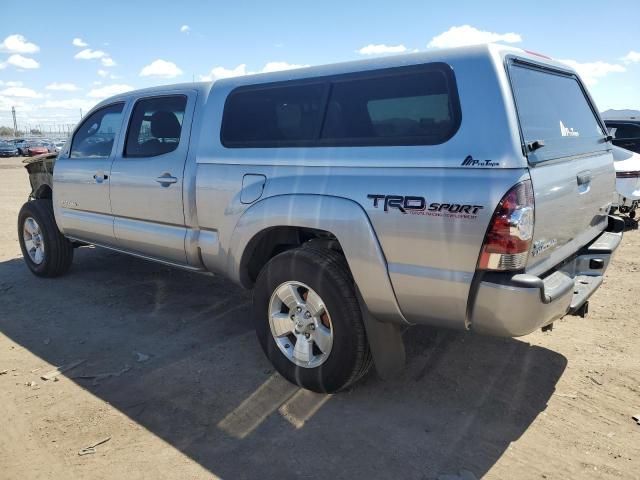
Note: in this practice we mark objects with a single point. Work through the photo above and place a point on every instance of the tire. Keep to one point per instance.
(325, 273)
(56, 251)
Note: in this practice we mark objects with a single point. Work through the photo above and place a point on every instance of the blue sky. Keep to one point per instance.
(122, 45)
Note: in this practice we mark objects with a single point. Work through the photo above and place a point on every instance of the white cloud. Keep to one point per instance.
(590, 72)
(19, 61)
(218, 73)
(468, 35)
(21, 92)
(278, 66)
(3, 65)
(69, 104)
(18, 44)
(65, 87)
(185, 28)
(88, 54)
(631, 57)
(161, 68)
(377, 49)
(106, 74)
(10, 84)
(109, 90)
(7, 102)
(78, 42)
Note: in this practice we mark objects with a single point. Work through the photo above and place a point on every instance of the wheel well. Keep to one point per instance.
(272, 241)
(43, 192)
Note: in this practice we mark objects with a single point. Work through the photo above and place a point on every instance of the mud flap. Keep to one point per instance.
(385, 342)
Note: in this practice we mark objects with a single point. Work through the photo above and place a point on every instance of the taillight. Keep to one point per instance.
(632, 174)
(508, 239)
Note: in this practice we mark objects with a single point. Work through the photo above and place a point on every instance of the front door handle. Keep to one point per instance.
(166, 179)
(100, 177)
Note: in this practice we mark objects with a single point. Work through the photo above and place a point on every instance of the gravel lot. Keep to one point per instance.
(192, 396)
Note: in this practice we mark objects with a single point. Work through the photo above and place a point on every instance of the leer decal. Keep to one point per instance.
(469, 161)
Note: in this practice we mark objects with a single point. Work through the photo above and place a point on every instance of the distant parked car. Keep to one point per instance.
(627, 165)
(37, 149)
(625, 133)
(51, 148)
(22, 145)
(8, 150)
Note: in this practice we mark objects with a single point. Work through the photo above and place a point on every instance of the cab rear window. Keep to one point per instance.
(553, 108)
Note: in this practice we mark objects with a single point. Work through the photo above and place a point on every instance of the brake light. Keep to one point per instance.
(538, 54)
(633, 174)
(508, 239)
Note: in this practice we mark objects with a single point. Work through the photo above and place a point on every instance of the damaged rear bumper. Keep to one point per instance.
(517, 305)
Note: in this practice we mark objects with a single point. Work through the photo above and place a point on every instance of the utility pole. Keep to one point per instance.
(15, 125)
(80, 114)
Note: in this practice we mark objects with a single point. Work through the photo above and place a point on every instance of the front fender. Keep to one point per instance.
(343, 218)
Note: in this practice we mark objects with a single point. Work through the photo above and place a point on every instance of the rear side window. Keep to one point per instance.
(155, 126)
(396, 109)
(274, 115)
(95, 136)
(625, 131)
(553, 107)
(416, 105)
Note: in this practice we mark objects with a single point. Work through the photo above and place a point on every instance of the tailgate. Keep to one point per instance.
(571, 164)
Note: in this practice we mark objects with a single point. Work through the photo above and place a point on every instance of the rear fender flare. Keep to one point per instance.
(347, 221)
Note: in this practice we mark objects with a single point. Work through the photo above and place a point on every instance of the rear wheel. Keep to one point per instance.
(308, 319)
(46, 251)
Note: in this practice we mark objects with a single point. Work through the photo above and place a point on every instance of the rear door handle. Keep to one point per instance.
(584, 178)
(100, 177)
(166, 179)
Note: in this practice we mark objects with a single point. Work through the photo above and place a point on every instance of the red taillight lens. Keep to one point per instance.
(508, 239)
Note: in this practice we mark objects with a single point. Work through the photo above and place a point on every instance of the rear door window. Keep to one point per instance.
(553, 108)
(155, 126)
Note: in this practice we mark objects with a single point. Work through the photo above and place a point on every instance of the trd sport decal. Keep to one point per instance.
(418, 206)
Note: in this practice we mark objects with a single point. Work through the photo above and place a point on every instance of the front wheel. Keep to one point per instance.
(308, 319)
(46, 251)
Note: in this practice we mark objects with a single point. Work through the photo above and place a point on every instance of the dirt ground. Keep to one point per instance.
(174, 376)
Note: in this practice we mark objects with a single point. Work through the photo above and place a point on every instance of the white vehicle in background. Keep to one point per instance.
(627, 165)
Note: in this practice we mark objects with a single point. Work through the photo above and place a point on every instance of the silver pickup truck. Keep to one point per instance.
(465, 188)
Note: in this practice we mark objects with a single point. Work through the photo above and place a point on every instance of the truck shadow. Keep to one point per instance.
(208, 391)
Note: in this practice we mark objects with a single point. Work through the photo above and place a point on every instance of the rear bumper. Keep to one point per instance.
(518, 305)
